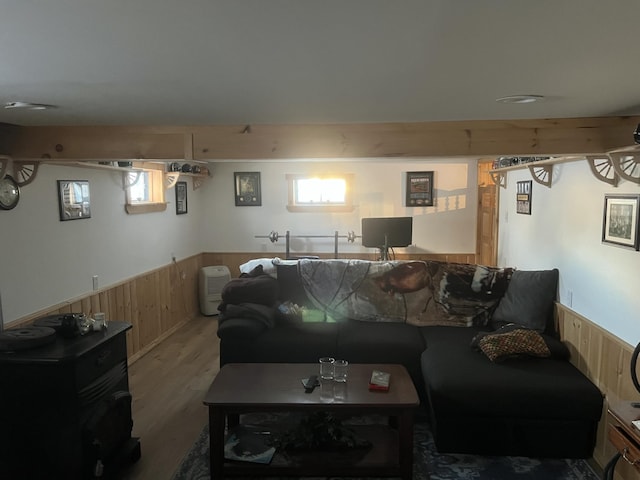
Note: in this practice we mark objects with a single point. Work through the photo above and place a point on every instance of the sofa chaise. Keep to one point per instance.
(479, 343)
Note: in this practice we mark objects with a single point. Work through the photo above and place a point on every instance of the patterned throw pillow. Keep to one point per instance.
(501, 346)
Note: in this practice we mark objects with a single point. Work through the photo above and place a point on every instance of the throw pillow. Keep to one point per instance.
(557, 347)
(500, 346)
(529, 300)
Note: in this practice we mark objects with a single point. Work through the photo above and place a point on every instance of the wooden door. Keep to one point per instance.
(487, 233)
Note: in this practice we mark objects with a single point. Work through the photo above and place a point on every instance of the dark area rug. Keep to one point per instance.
(428, 463)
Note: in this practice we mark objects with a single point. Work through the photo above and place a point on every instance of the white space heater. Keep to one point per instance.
(212, 280)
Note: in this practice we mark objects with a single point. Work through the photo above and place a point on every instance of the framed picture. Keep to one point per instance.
(620, 221)
(74, 200)
(181, 198)
(523, 197)
(419, 189)
(247, 188)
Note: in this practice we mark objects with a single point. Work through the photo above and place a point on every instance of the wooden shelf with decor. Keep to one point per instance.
(24, 171)
(171, 177)
(607, 167)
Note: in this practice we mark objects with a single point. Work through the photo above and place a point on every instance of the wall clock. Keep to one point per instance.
(9, 193)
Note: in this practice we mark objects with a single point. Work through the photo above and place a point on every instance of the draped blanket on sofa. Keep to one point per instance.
(416, 292)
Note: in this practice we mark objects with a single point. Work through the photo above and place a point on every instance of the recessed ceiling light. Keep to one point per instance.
(520, 99)
(28, 106)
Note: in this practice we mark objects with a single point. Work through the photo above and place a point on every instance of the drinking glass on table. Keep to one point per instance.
(340, 370)
(326, 368)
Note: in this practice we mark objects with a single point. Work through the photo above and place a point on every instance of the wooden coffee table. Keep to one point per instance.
(242, 388)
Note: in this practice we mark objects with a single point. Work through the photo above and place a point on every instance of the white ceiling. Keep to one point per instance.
(206, 62)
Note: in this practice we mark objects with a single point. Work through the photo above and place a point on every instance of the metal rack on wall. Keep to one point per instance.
(275, 236)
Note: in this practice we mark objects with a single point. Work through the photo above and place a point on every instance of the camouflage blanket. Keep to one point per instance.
(415, 292)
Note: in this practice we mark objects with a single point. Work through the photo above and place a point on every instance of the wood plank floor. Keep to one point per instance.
(168, 386)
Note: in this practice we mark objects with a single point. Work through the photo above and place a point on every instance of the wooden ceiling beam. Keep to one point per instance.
(394, 140)
(8, 134)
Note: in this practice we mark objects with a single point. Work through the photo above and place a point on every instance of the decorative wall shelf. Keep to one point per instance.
(4, 165)
(94, 166)
(627, 164)
(170, 177)
(607, 167)
(23, 171)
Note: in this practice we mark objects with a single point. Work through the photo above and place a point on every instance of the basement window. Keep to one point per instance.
(145, 190)
(320, 193)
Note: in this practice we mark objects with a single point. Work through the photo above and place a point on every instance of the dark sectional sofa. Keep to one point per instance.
(519, 403)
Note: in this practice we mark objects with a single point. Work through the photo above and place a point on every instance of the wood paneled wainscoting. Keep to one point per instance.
(156, 303)
(605, 359)
(159, 302)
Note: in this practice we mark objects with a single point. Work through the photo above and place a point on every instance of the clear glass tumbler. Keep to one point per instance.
(340, 370)
(326, 368)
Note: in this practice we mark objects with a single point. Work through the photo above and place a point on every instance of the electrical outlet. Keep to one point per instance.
(95, 282)
(173, 257)
(569, 298)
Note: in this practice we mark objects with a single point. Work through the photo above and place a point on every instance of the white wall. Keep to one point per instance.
(44, 261)
(564, 230)
(379, 191)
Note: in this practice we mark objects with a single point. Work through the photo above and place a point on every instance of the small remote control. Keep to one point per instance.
(312, 382)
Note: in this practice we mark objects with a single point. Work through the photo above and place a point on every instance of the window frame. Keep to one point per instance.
(292, 206)
(157, 191)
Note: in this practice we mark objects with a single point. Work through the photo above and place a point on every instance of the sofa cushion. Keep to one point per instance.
(529, 300)
(465, 294)
(250, 311)
(240, 329)
(462, 381)
(302, 343)
(382, 342)
(379, 342)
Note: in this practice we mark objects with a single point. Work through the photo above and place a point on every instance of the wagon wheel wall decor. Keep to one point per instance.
(602, 168)
(627, 165)
(542, 174)
(25, 172)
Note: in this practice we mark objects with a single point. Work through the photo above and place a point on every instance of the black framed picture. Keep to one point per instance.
(181, 198)
(620, 220)
(74, 199)
(419, 189)
(247, 189)
(523, 197)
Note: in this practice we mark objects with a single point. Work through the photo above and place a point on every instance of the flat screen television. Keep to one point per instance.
(387, 232)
